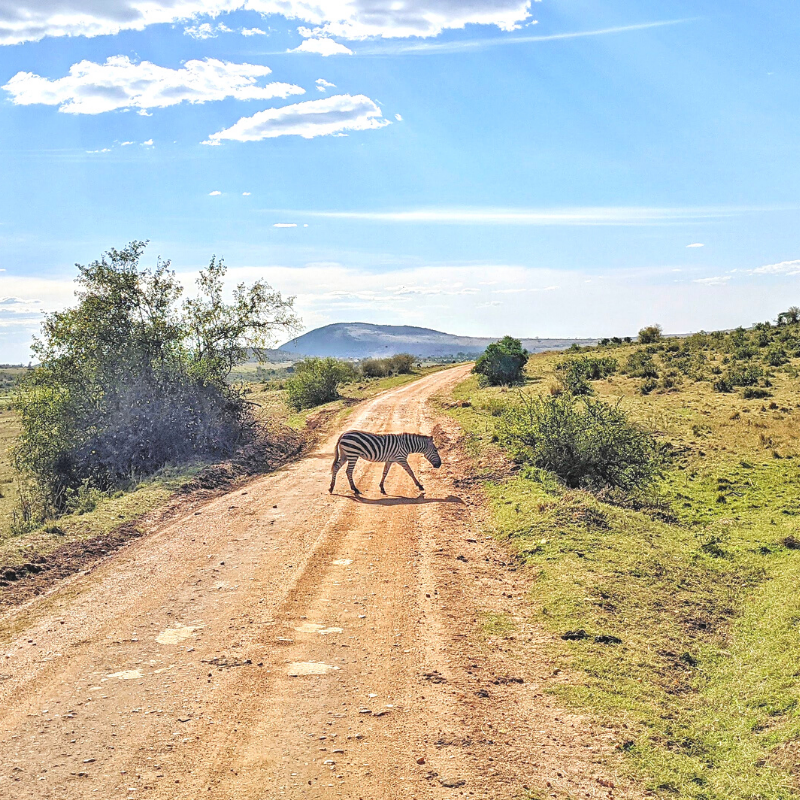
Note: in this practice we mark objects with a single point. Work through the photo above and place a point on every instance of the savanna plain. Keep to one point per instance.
(596, 596)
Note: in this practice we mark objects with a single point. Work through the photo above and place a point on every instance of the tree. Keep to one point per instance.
(502, 362)
(129, 380)
(650, 334)
(316, 381)
(789, 317)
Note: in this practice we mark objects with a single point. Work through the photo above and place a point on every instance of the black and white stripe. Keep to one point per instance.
(391, 448)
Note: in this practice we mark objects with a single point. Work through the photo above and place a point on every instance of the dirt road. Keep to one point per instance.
(279, 642)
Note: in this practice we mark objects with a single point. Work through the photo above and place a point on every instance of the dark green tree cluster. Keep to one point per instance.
(131, 379)
(502, 363)
(317, 381)
(400, 364)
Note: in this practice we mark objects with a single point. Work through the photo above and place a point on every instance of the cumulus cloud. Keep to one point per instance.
(695, 244)
(331, 116)
(206, 30)
(783, 268)
(398, 117)
(322, 47)
(215, 193)
(246, 194)
(148, 143)
(31, 20)
(323, 85)
(285, 225)
(120, 83)
(253, 32)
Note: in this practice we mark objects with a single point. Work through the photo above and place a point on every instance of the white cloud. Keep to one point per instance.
(120, 83)
(398, 117)
(717, 280)
(148, 143)
(312, 118)
(783, 268)
(695, 244)
(457, 46)
(253, 32)
(323, 85)
(285, 225)
(104, 150)
(246, 194)
(206, 30)
(126, 144)
(31, 20)
(322, 47)
(215, 193)
(611, 215)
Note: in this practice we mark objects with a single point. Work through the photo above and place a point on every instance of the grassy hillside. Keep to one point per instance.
(677, 618)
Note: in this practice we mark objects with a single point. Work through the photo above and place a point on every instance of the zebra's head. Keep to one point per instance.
(431, 453)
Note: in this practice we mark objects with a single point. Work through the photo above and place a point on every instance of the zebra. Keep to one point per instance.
(391, 448)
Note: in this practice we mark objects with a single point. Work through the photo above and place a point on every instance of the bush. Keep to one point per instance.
(502, 362)
(640, 364)
(776, 357)
(650, 334)
(586, 443)
(375, 367)
(400, 364)
(575, 373)
(754, 393)
(317, 381)
(129, 380)
(744, 374)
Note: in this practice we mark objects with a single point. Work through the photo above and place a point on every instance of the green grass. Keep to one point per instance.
(684, 635)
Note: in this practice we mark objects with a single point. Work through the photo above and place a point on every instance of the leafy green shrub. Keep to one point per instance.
(575, 373)
(129, 380)
(650, 334)
(317, 381)
(375, 367)
(587, 443)
(640, 364)
(776, 357)
(723, 385)
(744, 374)
(502, 362)
(402, 364)
(754, 393)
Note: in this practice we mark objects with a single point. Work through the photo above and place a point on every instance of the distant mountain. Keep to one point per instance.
(364, 340)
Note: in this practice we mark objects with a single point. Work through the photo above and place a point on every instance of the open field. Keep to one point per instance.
(677, 622)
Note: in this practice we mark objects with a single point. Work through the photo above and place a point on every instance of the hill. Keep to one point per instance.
(365, 340)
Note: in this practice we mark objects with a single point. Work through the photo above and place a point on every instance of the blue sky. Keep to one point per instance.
(481, 167)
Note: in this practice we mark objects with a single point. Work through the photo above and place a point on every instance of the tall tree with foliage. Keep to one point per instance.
(502, 362)
(130, 379)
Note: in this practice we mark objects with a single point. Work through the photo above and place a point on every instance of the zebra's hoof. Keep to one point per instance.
(383, 491)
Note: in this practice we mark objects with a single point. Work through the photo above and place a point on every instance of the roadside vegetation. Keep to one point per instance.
(139, 397)
(670, 585)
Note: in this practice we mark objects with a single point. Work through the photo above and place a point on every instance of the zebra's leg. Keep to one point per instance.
(404, 465)
(337, 465)
(351, 465)
(386, 467)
